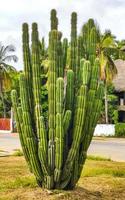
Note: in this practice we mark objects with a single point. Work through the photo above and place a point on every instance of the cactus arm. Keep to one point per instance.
(69, 90)
(92, 45)
(19, 121)
(66, 120)
(59, 141)
(77, 130)
(53, 52)
(40, 125)
(88, 137)
(91, 96)
(42, 148)
(72, 64)
(22, 134)
(73, 26)
(79, 56)
(96, 110)
(54, 20)
(78, 120)
(74, 177)
(30, 137)
(65, 49)
(95, 96)
(69, 101)
(60, 57)
(80, 80)
(66, 127)
(27, 64)
(36, 65)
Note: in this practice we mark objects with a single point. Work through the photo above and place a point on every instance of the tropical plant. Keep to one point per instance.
(112, 106)
(120, 53)
(56, 151)
(120, 129)
(6, 70)
(7, 95)
(108, 68)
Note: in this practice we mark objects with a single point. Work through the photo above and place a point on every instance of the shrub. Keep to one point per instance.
(120, 130)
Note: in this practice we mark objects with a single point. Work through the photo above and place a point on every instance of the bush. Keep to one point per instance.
(18, 152)
(120, 130)
(115, 116)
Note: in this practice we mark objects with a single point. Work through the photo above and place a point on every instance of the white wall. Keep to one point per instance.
(104, 130)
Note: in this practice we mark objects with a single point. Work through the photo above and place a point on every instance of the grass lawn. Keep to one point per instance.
(101, 179)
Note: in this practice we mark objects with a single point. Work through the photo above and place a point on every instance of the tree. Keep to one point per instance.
(7, 95)
(112, 106)
(107, 67)
(6, 70)
(120, 53)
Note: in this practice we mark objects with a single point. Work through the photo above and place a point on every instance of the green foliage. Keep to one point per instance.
(112, 106)
(18, 152)
(55, 145)
(120, 130)
(43, 50)
(7, 104)
(97, 158)
(44, 99)
(7, 95)
(6, 70)
(120, 52)
(115, 116)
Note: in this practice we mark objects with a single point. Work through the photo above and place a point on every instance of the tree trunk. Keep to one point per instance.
(106, 106)
(2, 98)
(4, 106)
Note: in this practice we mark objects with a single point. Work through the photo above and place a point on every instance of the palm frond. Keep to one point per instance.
(10, 58)
(109, 43)
(6, 81)
(1, 51)
(111, 70)
(9, 48)
(7, 67)
(10, 68)
(112, 65)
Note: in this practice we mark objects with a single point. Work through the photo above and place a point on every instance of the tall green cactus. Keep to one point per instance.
(79, 55)
(65, 48)
(73, 43)
(54, 20)
(56, 151)
(90, 38)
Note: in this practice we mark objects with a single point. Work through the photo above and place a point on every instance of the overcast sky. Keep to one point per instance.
(110, 14)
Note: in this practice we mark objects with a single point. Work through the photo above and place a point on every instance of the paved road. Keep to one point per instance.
(8, 143)
(110, 147)
(113, 148)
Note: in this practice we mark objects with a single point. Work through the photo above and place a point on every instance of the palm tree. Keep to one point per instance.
(6, 70)
(120, 54)
(105, 47)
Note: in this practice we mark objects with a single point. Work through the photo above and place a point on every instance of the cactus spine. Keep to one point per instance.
(56, 151)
